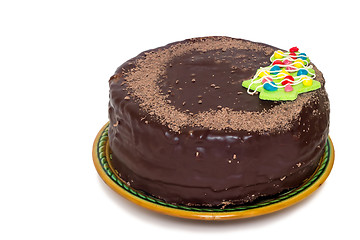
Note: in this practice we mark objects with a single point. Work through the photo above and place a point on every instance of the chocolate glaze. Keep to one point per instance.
(214, 77)
(199, 166)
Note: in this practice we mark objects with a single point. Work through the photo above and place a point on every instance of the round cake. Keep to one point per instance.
(187, 129)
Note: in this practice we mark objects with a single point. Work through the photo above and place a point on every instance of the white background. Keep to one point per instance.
(55, 61)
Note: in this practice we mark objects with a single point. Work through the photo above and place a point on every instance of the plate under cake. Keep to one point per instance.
(184, 130)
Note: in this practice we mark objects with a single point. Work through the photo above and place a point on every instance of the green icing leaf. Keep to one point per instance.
(280, 94)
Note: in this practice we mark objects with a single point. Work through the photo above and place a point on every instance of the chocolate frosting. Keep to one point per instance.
(183, 129)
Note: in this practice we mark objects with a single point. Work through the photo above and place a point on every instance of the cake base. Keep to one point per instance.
(101, 158)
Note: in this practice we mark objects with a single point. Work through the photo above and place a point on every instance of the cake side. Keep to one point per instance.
(196, 155)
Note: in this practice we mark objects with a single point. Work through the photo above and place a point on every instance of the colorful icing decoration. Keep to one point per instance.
(307, 81)
(302, 72)
(275, 70)
(263, 73)
(290, 68)
(294, 49)
(288, 88)
(289, 74)
(266, 79)
(278, 54)
(270, 86)
(288, 80)
(293, 55)
(277, 62)
(299, 63)
(302, 56)
(283, 73)
(286, 62)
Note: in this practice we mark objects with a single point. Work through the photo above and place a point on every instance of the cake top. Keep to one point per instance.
(198, 83)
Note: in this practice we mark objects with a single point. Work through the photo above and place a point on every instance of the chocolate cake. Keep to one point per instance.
(183, 128)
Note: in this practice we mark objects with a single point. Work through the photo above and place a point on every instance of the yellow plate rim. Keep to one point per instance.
(209, 215)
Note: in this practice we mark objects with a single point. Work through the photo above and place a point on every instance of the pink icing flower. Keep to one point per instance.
(266, 79)
(288, 88)
(287, 62)
(289, 68)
